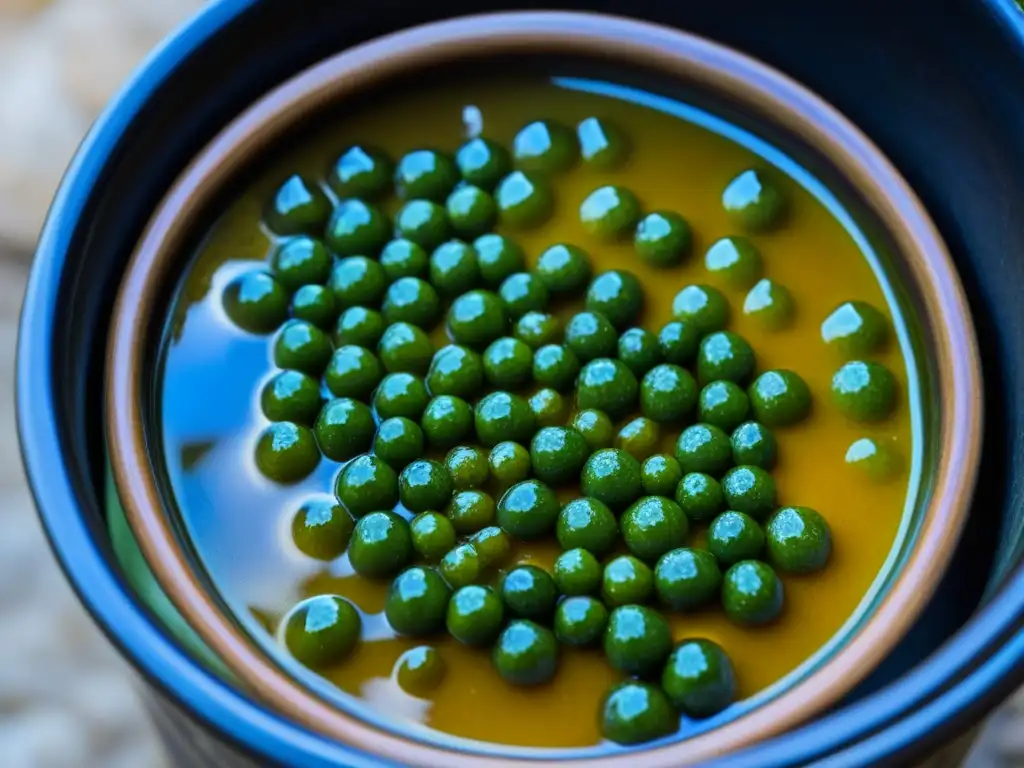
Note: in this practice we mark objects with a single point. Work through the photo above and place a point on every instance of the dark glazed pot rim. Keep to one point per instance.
(685, 58)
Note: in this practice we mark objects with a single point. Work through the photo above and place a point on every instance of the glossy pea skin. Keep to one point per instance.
(528, 510)
(492, 544)
(752, 593)
(509, 463)
(735, 262)
(752, 201)
(344, 428)
(612, 476)
(381, 545)
(471, 210)
(353, 372)
(424, 484)
(461, 566)
(398, 441)
(564, 269)
(405, 348)
(610, 212)
(419, 670)
(626, 580)
(301, 261)
(590, 335)
(702, 306)
(770, 304)
(433, 535)
(366, 484)
(678, 342)
(422, 222)
(301, 346)
(417, 601)
(468, 467)
(456, 370)
(425, 174)
(503, 416)
(639, 437)
(588, 524)
(411, 300)
(798, 540)
(754, 444)
(321, 529)
(314, 304)
(686, 579)
(577, 572)
(668, 394)
(638, 349)
(447, 421)
(404, 258)
(703, 448)
(529, 592)
(750, 490)
(498, 257)
(291, 396)
(483, 162)
(521, 293)
(596, 427)
(453, 268)
(471, 511)
(538, 329)
(555, 366)
(876, 460)
(699, 678)
(635, 713)
(723, 404)
(477, 318)
(779, 398)
(864, 391)
(602, 144)
(637, 640)
(361, 171)
(357, 227)
(525, 200)
(735, 536)
(357, 281)
(548, 407)
(475, 615)
(662, 239)
(525, 654)
(725, 356)
(545, 146)
(618, 295)
(297, 207)
(508, 363)
(660, 475)
(286, 452)
(400, 394)
(256, 302)
(360, 327)
(700, 496)
(580, 621)
(607, 385)
(652, 526)
(558, 455)
(855, 329)
(322, 630)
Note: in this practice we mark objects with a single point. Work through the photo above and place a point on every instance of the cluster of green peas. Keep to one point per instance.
(352, 298)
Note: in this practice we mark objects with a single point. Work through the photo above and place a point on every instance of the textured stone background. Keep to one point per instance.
(66, 700)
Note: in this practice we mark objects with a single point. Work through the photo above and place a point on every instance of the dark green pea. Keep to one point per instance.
(662, 238)
(555, 366)
(618, 295)
(751, 593)
(548, 407)
(477, 318)
(735, 261)
(492, 544)
(529, 592)
(750, 490)
(509, 463)
(701, 306)
(538, 329)
(610, 212)
(353, 372)
(699, 678)
(602, 145)
(639, 350)
(703, 448)
(700, 496)
(668, 394)
(471, 211)
(612, 476)
(528, 510)
(422, 222)
(878, 462)
(771, 305)
(564, 269)
(525, 200)
(468, 467)
(652, 526)
(419, 670)
(595, 426)
(362, 172)
(461, 566)
(433, 535)
(580, 621)
(558, 455)
(626, 580)
(344, 429)
(457, 371)
(447, 421)
(298, 207)
(471, 511)
(301, 346)
(291, 396)
(753, 202)
(256, 302)
(400, 394)
(855, 329)
(322, 630)
(398, 441)
(497, 258)
(678, 342)
(405, 348)
(686, 579)
(475, 615)
(359, 326)
(301, 261)
(661, 475)
(590, 335)
(411, 300)
(725, 356)
(526, 654)
(357, 282)
(417, 602)
(637, 640)
(404, 258)
(381, 545)
(508, 363)
(423, 485)
(588, 524)
(607, 385)
(546, 146)
(723, 404)
(640, 438)
(321, 529)
(864, 391)
(453, 268)
(799, 540)
(521, 293)
(502, 416)
(483, 162)
(425, 174)
(754, 444)
(779, 398)
(635, 713)
(356, 227)
(314, 304)
(286, 452)
(577, 572)
(367, 484)
(735, 536)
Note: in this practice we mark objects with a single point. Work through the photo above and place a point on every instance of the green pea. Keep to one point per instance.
(864, 391)
(610, 212)
(477, 318)
(595, 426)
(256, 302)
(753, 202)
(453, 268)
(612, 476)
(298, 207)
(687, 579)
(433, 535)
(564, 269)
(322, 630)
(537, 329)
(344, 429)
(668, 394)
(548, 407)
(357, 281)
(529, 592)
(735, 536)
(799, 540)
(291, 396)
(475, 615)
(580, 621)
(602, 145)
(321, 529)
(704, 448)
(662, 239)
(660, 475)
(417, 602)
(652, 526)
(509, 463)
(618, 295)
(700, 496)
(497, 258)
(878, 462)
(405, 348)
(723, 404)
(423, 485)
(353, 372)
(356, 227)
(457, 371)
(750, 490)
(751, 593)
(502, 416)
(398, 441)
(447, 421)
(426, 174)
(625, 581)
(461, 566)
(855, 329)
(521, 293)
(703, 307)
(588, 524)
(754, 444)
(640, 438)
(471, 511)
(635, 712)
(314, 304)
(301, 261)
(678, 342)
(301, 346)
(400, 394)
(360, 327)
(525, 200)
(577, 572)
(286, 452)
(508, 363)
(468, 467)
(637, 640)
(725, 356)
(528, 510)
(546, 146)
(381, 545)
(735, 261)
(555, 366)
(607, 385)
(638, 349)
(404, 258)
(590, 335)
(365, 485)
(699, 678)
(422, 222)
(362, 172)
(411, 300)
(779, 398)
(771, 305)
(526, 654)
(492, 544)
(483, 162)
(419, 670)
(471, 210)
(558, 455)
